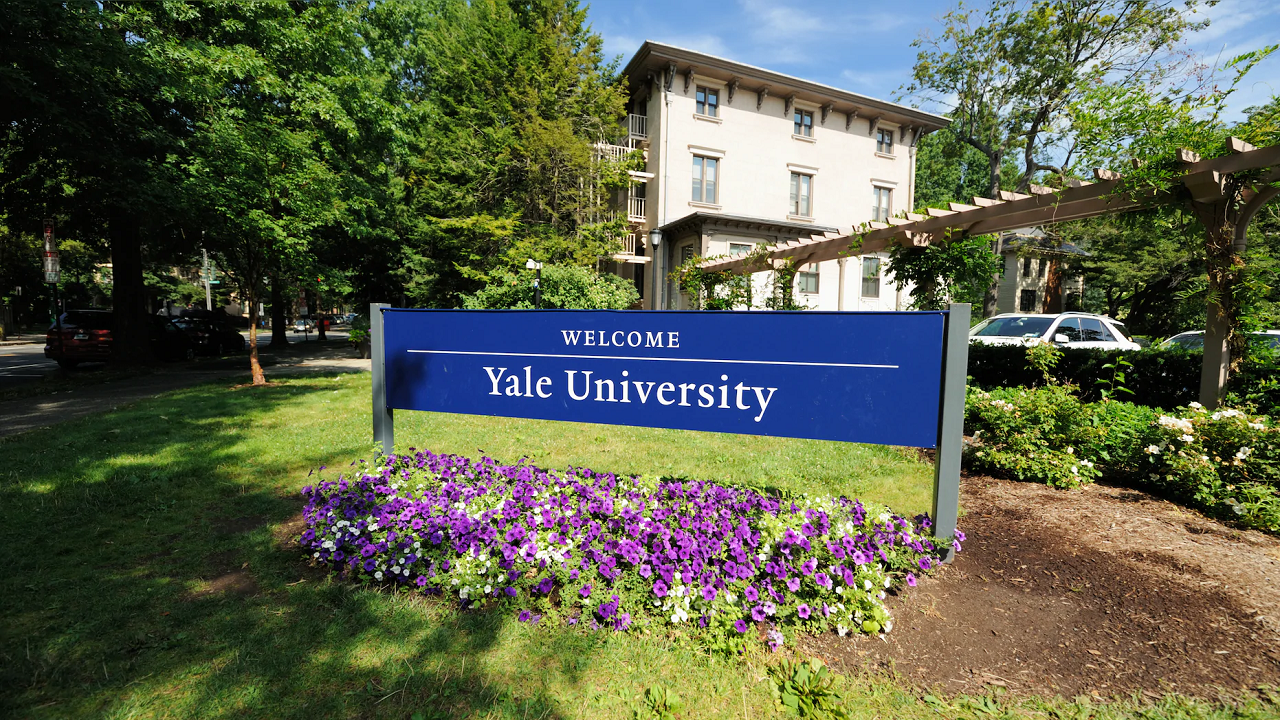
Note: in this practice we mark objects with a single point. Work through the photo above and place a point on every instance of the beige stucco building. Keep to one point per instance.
(738, 155)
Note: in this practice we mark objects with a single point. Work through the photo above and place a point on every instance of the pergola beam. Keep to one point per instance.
(1204, 178)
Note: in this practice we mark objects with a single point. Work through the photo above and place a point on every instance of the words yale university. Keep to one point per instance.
(579, 384)
(737, 156)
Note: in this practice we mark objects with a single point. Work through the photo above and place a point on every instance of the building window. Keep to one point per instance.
(1026, 266)
(739, 248)
(1041, 266)
(807, 280)
(708, 101)
(804, 123)
(1027, 301)
(870, 277)
(801, 195)
(883, 207)
(884, 141)
(705, 176)
(686, 254)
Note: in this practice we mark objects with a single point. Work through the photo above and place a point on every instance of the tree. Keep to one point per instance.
(1008, 77)
(564, 287)
(1154, 134)
(511, 97)
(87, 138)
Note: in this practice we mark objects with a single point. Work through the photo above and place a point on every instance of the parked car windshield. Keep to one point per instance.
(1013, 327)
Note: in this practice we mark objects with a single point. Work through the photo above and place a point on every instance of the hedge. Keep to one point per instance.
(1158, 378)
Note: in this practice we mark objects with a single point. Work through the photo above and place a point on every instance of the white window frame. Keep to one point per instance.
(877, 263)
(801, 204)
(700, 165)
(808, 274)
(707, 91)
(881, 212)
(803, 114)
(883, 147)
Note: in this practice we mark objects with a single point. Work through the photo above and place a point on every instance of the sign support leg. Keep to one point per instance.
(946, 469)
(383, 419)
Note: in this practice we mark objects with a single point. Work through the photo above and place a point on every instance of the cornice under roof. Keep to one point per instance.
(655, 56)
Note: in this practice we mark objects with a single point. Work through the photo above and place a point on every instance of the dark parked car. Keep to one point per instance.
(86, 337)
(210, 337)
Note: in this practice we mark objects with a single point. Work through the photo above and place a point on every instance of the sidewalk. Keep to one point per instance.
(23, 339)
(29, 413)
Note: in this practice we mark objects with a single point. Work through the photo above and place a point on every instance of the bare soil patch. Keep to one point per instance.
(1102, 590)
(227, 578)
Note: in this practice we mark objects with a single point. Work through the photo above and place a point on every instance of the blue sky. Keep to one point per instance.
(865, 47)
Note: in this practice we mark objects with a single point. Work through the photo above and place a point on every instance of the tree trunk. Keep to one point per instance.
(279, 333)
(255, 366)
(313, 302)
(131, 336)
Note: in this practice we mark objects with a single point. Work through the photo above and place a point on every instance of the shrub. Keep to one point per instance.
(564, 287)
(616, 552)
(1226, 463)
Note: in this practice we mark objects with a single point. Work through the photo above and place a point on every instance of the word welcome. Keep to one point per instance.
(705, 395)
(621, 338)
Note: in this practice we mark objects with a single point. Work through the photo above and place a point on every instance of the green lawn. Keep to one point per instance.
(145, 576)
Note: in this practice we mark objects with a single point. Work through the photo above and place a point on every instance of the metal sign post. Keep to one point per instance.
(887, 378)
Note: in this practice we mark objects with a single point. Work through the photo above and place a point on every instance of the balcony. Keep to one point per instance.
(637, 128)
(630, 243)
(611, 152)
(635, 209)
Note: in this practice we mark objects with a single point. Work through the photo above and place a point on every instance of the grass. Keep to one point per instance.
(147, 575)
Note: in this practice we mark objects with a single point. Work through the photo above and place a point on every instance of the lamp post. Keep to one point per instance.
(537, 282)
(52, 274)
(655, 239)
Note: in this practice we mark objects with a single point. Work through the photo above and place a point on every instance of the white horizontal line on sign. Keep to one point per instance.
(624, 357)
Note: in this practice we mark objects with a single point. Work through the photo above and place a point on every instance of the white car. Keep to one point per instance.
(1194, 340)
(1071, 330)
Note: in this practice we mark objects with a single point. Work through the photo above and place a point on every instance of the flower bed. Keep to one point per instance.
(616, 552)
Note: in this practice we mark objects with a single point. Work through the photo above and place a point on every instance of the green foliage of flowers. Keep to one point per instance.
(807, 689)
(1225, 462)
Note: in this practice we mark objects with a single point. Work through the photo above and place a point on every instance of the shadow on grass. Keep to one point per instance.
(146, 574)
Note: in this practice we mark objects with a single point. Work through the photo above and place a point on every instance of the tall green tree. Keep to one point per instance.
(512, 97)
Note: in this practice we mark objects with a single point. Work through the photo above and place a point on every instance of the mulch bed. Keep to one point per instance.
(1101, 591)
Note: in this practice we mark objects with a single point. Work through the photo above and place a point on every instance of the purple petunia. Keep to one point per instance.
(803, 611)
(521, 529)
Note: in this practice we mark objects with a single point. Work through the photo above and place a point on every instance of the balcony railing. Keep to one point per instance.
(629, 243)
(637, 126)
(635, 209)
(612, 152)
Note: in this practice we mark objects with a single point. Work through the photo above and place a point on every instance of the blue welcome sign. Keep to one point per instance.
(856, 377)
(888, 378)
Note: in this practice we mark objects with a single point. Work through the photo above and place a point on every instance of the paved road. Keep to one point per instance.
(28, 413)
(23, 363)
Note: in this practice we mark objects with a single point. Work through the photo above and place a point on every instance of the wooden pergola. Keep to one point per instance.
(1216, 190)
